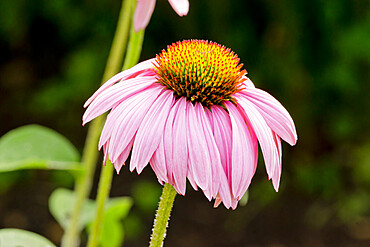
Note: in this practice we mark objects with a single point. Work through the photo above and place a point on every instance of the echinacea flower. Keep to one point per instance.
(145, 8)
(192, 113)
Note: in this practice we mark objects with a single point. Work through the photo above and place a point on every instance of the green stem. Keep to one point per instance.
(103, 193)
(132, 57)
(118, 49)
(163, 216)
(90, 154)
(134, 48)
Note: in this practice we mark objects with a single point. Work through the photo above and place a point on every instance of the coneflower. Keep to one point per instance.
(192, 113)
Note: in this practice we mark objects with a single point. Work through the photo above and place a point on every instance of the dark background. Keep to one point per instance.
(313, 56)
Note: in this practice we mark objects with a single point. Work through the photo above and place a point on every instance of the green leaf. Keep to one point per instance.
(37, 147)
(21, 238)
(61, 204)
(112, 231)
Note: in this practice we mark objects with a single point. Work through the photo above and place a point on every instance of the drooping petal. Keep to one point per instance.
(108, 126)
(263, 132)
(244, 152)
(190, 176)
(114, 95)
(277, 172)
(276, 116)
(180, 6)
(168, 144)
(223, 137)
(216, 166)
(127, 123)
(143, 12)
(180, 148)
(158, 163)
(126, 74)
(123, 157)
(116, 115)
(234, 203)
(199, 156)
(150, 131)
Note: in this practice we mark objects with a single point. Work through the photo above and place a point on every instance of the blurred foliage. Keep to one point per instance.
(61, 203)
(313, 56)
(17, 237)
(145, 195)
(37, 147)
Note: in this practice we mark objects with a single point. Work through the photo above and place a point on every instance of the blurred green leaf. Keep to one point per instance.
(134, 226)
(146, 195)
(61, 204)
(21, 238)
(112, 234)
(36, 147)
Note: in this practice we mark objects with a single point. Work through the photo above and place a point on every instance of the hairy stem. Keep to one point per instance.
(163, 215)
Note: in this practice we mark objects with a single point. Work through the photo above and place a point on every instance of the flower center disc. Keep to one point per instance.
(201, 71)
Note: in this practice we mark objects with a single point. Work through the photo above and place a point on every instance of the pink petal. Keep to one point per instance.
(190, 177)
(263, 133)
(234, 203)
(158, 163)
(216, 166)
(114, 95)
(123, 157)
(180, 6)
(223, 137)
(127, 123)
(199, 156)
(150, 131)
(180, 149)
(140, 67)
(223, 192)
(168, 145)
(276, 116)
(277, 173)
(116, 115)
(143, 12)
(244, 152)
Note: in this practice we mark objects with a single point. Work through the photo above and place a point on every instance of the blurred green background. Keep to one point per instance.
(313, 56)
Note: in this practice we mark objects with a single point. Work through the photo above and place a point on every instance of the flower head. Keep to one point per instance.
(145, 8)
(193, 114)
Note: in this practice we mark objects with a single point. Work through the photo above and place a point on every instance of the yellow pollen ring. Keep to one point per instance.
(201, 71)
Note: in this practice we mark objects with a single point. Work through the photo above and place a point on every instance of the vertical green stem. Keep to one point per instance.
(132, 57)
(163, 215)
(103, 193)
(119, 43)
(134, 48)
(90, 154)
